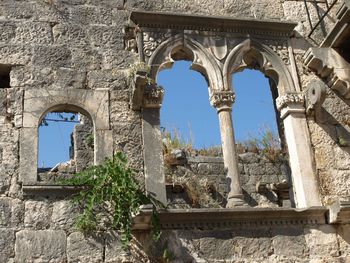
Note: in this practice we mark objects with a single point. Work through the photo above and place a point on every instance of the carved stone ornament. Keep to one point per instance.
(222, 99)
(288, 99)
(151, 40)
(280, 47)
(153, 96)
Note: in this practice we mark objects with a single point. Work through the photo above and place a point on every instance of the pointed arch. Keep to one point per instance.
(252, 54)
(185, 48)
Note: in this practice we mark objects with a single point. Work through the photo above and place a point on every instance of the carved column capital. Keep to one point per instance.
(222, 100)
(153, 96)
(290, 103)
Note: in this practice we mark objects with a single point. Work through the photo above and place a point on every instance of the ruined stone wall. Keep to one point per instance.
(78, 44)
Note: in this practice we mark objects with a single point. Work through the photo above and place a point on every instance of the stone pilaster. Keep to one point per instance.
(152, 142)
(222, 101)
(292, 109)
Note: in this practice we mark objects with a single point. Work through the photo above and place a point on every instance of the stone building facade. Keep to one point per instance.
(101, 59)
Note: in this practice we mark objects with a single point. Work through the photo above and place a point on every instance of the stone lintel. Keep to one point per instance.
(223, 218)
(211, 23)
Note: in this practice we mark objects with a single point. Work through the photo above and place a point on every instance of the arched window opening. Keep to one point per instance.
(256, 119)
(66, 144)
(186, 115)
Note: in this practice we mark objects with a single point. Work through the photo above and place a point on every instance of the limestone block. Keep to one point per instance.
(268, 9)
(118, 59)
(69, 78)
(89, 59)
(11, 212)
(7, 32)
(154, 5)
(113, 248)
(342, 157)
(322, 241)
(40, 246)
(289, 242)
(343, 232)
(249, 157)
(72, 34)
(7, 242)
(36, 214)
(34, 33)
(63, 215)
(86, 15)
(21, 10)
(82, 248)
(106, 36)
(22, 76)
(58, 56)
(13, 54)
(106, 79)
(239, 8)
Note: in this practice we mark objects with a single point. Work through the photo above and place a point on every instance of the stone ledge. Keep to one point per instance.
(49, 189)
(221, 218)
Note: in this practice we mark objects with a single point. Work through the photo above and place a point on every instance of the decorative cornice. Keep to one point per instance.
(223, 218)
(222, 100)
(153, 96)
(211, 23)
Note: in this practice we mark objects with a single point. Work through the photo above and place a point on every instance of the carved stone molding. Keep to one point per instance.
(151, 40)
(212, 219)
(339, 212)
(153, 96)
(280, 47)
(290, 103)
(291, 98)
(222, 99)
(331, 67)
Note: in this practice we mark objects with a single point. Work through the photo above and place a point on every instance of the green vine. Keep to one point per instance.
(110, 196)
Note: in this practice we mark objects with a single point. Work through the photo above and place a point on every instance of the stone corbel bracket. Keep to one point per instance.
(290, 103)
(339, 212)
(331, 67)
(315, 96)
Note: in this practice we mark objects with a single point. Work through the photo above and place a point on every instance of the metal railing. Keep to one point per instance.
(321, 14)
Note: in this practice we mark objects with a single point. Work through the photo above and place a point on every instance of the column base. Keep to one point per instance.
(236, 201)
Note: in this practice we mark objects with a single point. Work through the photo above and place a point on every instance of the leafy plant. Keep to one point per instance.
(110, 196)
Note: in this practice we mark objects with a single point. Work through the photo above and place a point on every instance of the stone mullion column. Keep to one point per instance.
(152, 143)
(291, 107)
(223, 101)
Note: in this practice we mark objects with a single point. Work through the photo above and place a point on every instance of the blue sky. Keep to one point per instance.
(186, 105)
(186, 108)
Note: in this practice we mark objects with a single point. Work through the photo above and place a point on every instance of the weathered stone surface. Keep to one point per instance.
(7, 241)
(322, 241)
(11, 212)
(37, 214)
(15, 54)
(40, 246)
(63, 215)
(34, 33)
(107, 79)
(113, 249)
(73, 34)
(58, 56)
(85, 15)
(82, 248)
